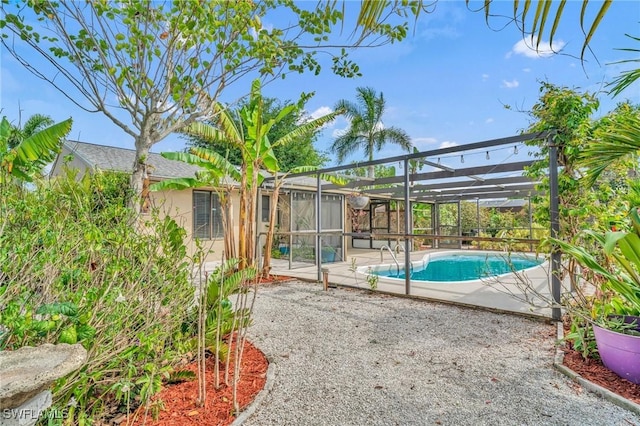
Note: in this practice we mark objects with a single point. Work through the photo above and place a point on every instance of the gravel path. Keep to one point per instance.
(350, 357)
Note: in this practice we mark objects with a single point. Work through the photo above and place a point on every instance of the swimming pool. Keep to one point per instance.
(456, 266)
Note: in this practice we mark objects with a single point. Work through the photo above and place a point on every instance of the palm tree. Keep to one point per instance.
(533, 20)
(33, 125)
(613, 143)
(366, 130)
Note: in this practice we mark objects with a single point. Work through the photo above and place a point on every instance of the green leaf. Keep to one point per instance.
(176, 184)
(69, 335)
(85, 332)
(611, 240)
(58, 308)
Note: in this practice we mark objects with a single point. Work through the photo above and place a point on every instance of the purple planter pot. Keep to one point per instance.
(620, 353)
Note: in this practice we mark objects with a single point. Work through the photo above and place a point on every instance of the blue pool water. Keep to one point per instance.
(466, 267)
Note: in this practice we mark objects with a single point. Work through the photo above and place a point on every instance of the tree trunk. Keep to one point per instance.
(251, 216)
(242, 220)
(231, 239)
(140, 171)
(266, 265)
(227, 220)
(371, 172)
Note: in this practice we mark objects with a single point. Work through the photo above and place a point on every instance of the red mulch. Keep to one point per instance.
(179, 400)
(274, 279)
(595, 372)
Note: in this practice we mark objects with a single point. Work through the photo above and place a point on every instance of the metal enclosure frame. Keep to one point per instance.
(446, 184)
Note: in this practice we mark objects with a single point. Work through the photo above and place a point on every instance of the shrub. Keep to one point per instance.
(76, 265)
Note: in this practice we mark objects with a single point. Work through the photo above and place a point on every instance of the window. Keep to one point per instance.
(266, 205)
(207, 215)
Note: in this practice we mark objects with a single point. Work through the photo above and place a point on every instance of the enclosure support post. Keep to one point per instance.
(478, 219)
(319, 226)
(436, 225)
(530, 224)
(290, 236)
(459, 225)
(556, 284)
(408, 229)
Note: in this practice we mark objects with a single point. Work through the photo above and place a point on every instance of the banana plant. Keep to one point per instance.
(213, 169)
(221, 318)
(28, 157)
(247, 130)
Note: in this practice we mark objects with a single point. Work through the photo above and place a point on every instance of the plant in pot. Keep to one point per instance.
(614, 312)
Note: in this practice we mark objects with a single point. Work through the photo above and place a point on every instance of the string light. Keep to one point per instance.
(487, 153)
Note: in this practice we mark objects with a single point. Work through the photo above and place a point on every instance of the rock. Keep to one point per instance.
(26, 372)
(28, 413)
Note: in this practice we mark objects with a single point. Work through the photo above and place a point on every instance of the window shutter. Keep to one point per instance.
(202, 214)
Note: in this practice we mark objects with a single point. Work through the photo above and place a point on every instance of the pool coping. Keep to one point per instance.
(420, 263)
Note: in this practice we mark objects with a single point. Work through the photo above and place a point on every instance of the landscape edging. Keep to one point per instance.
(586, 384)
(253, 406)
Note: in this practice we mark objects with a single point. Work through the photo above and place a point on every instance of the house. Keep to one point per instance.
(197, 210)
(385, 221)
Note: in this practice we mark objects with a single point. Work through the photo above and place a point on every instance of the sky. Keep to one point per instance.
(447, 84)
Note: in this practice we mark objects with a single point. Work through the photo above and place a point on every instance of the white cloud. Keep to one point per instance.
(527, 47)
(319, 112)
(526, 70)
(485, 77)
(489, 120)
(447, 144)
(510, 84)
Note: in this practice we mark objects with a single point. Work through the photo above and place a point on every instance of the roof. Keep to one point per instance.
(121, 159)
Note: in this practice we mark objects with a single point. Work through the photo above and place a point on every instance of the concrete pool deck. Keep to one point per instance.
(506, 294)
